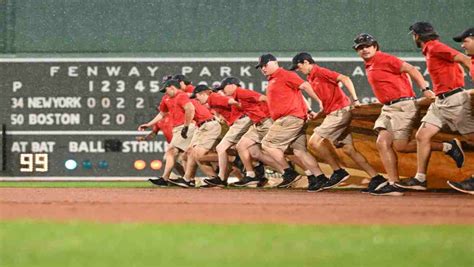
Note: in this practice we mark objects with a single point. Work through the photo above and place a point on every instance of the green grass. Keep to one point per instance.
(26, 243)
(92, 184)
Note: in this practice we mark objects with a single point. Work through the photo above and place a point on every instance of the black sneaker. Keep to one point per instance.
(181, 182)
(466, 186)
(262, 181)
(411, 183)
(456, 152)
(289, 178)
(247, 181)
(215, 181)
(375, 183)
(388, 190)
(316, 183)
(336, 178)
(161, 182)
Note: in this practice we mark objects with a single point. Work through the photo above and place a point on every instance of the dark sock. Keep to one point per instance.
(322, 176)
(378, 176)
(288, 170)
(237, 159)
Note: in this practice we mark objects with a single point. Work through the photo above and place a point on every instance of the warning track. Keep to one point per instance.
(233, 206)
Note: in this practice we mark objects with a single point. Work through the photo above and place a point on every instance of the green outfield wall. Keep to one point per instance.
(219, 26)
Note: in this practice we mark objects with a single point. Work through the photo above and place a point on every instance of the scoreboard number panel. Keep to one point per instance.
(30, 162)
(77, 117)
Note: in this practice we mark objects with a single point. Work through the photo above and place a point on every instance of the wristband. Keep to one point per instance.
(426, 89)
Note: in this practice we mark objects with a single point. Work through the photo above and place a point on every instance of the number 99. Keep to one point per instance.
(33, 162)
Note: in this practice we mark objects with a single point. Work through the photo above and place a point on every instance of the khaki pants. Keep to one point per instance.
(207, 136)
(238, 129)
(258, 131)
(286, 132)
(399, 119)
(454, 111)
(178, 141)
(336, 127)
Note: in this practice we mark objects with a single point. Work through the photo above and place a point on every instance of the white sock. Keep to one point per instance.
(447, 147)
(420, 177)
(308, 172)
(250, 174)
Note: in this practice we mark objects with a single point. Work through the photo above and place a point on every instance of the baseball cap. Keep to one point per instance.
(421, 28)
(168, 83)
(264, 59)
(198, 89)
(227, 81)
(181, 78)
(300, 58)
(166, 77)
(363, 39)
(466, 33)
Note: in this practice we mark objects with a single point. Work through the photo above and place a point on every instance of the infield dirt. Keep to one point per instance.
(233, 206)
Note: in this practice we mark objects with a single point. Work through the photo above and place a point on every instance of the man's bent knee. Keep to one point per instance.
(172, 151)
(300, 153)
(383, 143)
(255, 152)
(316, 141)
(221, 148)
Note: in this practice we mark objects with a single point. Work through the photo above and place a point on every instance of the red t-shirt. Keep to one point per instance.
(445, 73)
(189, 88)
(284, 96)
(326, 87)
(166, 127)
(175, 107)
(385, 78)
(165, 100)
(221, 105)
(201, 113)
(251, 106)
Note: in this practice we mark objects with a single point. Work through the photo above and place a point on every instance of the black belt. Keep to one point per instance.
(399, 100)
(206, 121)
(450, 93)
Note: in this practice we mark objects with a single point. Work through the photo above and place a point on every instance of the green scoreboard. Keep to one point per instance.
(77, 118)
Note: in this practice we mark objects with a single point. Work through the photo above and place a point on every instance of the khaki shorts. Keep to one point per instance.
(399, 119)
(454, 111)
(178, 141)
(286, 132)
(207, 136)
(336, 127)
(224, 128)
(237, 130)
(258, 131)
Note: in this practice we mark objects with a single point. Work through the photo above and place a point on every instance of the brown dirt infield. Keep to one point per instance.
(294, 206)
